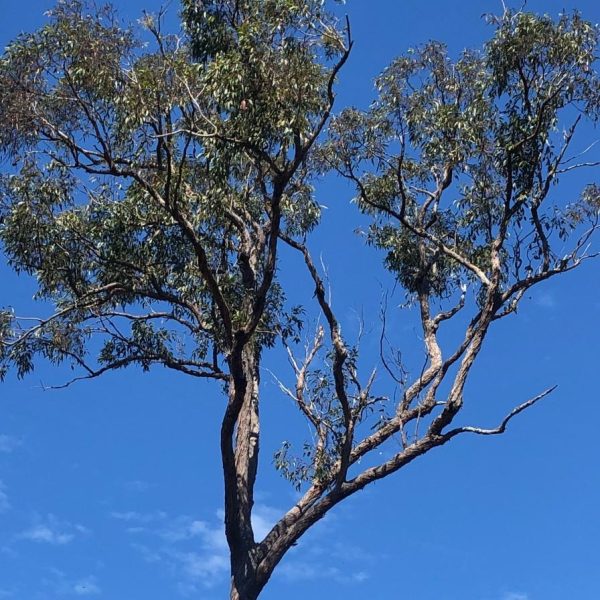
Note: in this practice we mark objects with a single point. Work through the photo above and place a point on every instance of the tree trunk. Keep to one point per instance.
(248, 590)
(240, 446)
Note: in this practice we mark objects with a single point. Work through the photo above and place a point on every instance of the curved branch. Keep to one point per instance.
(502, 427)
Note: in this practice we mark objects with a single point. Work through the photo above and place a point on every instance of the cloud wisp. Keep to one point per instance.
(326, 558)
(139, 518)
(195, 552)
(60, 584)
(515, 596)
(137, 486)
(548, 301)
(4, 503)
(300, 570)
(52, 531)
(9, 443)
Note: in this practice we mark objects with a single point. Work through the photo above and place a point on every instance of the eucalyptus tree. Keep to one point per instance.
(155, 177)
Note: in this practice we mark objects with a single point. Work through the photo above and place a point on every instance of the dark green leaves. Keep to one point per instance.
(150, 182)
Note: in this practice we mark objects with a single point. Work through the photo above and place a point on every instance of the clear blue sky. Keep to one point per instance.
(112, 489)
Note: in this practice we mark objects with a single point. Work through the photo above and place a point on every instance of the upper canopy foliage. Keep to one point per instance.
(145, 177)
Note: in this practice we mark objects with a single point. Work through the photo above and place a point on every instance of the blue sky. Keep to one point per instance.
(111, 489)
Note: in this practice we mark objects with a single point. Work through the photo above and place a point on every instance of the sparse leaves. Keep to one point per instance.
(454, 156)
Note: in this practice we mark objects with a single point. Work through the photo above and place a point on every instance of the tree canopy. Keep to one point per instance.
(154, 177)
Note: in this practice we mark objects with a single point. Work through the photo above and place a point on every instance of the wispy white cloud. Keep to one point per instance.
(52, 531)
(138, 522)
(300, 570)
(147, 554)
(137, 485)
(4, 503)
(545, 300)
(139, 517)
(136, 529)
(43, 533)
(325, 554)
(184, 528)
(515, 596)
(263, 519)
(195, 551)
(205, 568)
(9, 443)
(62, 585)
(200, 570)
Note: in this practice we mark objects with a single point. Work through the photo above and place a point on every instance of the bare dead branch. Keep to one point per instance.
(502, 427)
